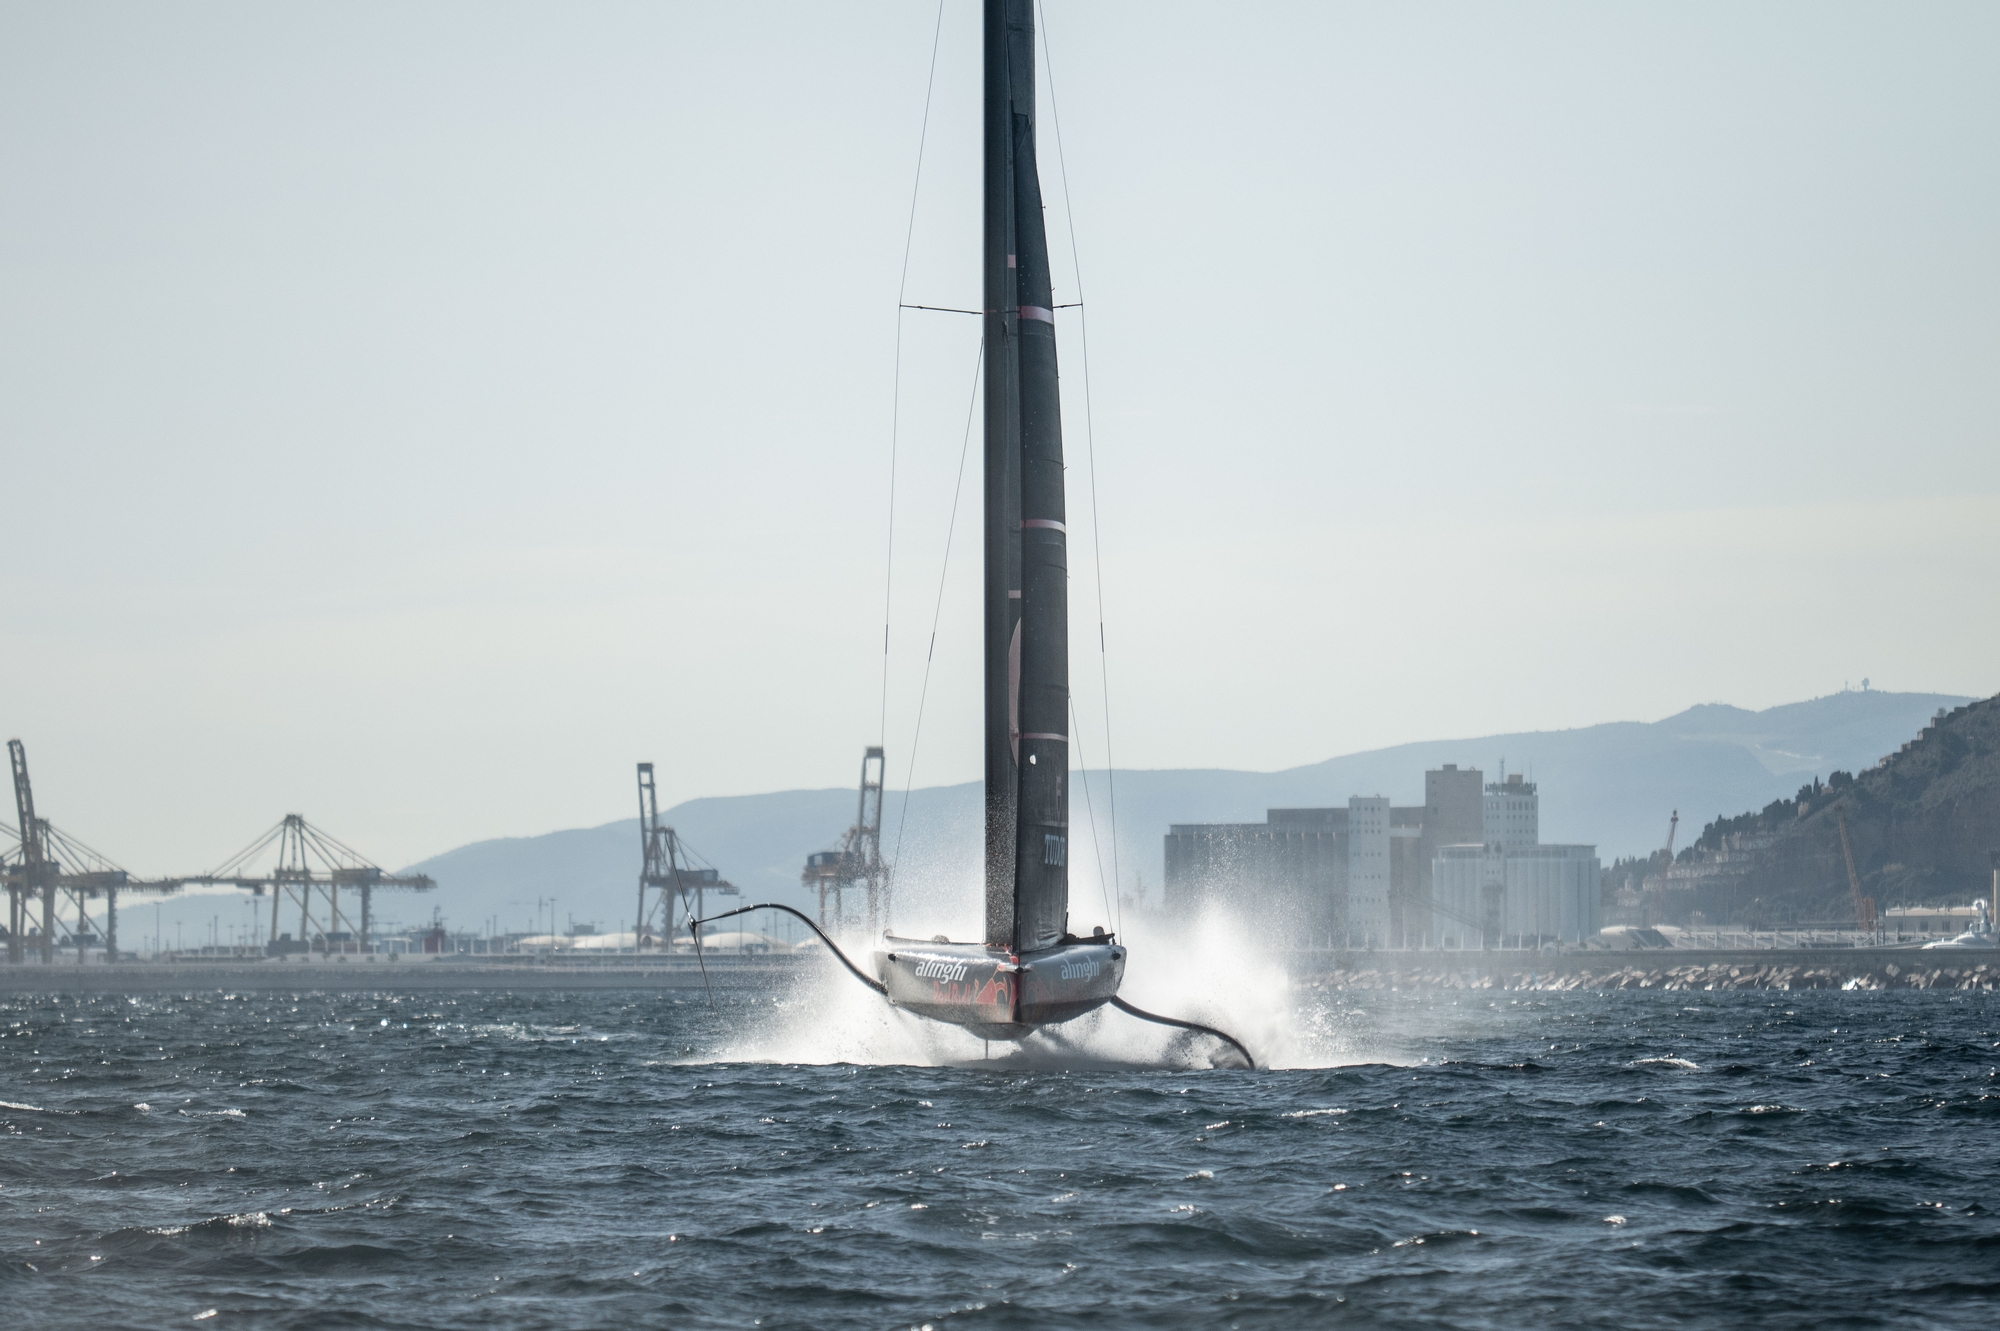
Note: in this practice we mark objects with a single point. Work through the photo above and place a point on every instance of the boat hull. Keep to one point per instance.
(994, 993)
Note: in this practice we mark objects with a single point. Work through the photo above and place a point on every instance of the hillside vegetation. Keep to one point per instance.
(1923, 823)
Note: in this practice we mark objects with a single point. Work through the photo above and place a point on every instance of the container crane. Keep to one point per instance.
(665, 875)
(312, 868)
(35, 876)
(857, 864)
(51, 865)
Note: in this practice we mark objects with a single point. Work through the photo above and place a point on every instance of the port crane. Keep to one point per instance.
(311, 870)
(857, 864)
(54, 869)
(665, 876)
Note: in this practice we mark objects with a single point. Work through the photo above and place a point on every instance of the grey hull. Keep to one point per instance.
(994, 993)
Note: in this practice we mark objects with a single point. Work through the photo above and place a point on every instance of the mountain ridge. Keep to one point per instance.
(1612, 785)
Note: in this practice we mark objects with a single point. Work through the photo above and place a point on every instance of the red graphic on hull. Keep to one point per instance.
(997, 991)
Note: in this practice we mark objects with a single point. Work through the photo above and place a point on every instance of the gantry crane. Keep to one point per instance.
(310, 872)
(57, 869)
(311, 869)
(858, 863)
(665, 877)
(35, 875)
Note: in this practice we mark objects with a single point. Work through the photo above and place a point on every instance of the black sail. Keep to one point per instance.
(1027, 573)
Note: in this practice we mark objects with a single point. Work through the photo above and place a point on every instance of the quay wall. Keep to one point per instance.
(725, 972)
(1679, 969)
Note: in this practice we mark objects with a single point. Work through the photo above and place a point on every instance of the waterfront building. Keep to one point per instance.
(1553, 893)
(1511, 813)
(1291, 868)
(1945, 920)
(1290, 871)
(1491, 895)
(1464, 869)
(1454, 807)
(1368, 870)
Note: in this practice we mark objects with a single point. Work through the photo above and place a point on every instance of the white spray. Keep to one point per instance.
(1216, 973)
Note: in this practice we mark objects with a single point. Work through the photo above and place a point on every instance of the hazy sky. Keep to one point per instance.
(415, 414)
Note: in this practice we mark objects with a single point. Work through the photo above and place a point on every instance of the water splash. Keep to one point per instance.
(1217, 973)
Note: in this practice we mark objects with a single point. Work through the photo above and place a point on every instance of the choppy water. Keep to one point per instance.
(498, 1161)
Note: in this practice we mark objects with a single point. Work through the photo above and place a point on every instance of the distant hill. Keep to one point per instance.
(1610, 785)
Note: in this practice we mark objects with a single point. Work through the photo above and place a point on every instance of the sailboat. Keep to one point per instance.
(1029, 970)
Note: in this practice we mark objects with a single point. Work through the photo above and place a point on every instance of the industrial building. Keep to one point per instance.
(1294, 867)
(1516, 896)
(1368, 842)
(1465, 869)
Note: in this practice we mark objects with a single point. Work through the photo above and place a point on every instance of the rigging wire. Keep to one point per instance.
(1090, 450)
(682, 850)
(694, 926)
(694, 933)
(1090, 809)
(937, 612)
(896, 391)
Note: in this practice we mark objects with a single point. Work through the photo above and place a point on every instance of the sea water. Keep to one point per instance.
(496, 1160)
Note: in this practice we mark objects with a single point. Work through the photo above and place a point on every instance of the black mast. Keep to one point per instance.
(1027, 574)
